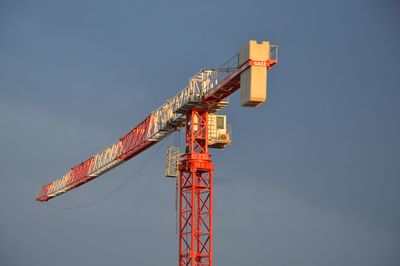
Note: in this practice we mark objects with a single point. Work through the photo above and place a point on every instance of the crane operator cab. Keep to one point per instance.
(219, 133)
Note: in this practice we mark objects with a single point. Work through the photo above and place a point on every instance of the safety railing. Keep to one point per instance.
(273, 53)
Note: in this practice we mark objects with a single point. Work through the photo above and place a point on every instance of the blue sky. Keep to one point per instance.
(311, 178)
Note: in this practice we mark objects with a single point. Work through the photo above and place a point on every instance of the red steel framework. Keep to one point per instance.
(196, 168)
(195, 197)
(136, 140)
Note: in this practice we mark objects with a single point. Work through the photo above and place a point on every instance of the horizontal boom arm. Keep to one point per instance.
(205, 90)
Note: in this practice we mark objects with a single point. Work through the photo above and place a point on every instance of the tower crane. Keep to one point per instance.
(195, 108)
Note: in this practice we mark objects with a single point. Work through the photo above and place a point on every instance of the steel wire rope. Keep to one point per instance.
(130, 178)
(177, 144)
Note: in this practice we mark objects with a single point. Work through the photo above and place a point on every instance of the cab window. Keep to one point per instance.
(220, 122)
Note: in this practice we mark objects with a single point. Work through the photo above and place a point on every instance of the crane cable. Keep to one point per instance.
(130, 178)
(177, 144)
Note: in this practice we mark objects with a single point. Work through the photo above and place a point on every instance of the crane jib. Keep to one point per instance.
(205, 90)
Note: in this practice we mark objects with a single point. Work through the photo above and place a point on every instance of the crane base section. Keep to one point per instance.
(195, 211)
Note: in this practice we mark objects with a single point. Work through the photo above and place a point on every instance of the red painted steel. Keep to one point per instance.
(195, 194)
(137, 140)
(132, 144)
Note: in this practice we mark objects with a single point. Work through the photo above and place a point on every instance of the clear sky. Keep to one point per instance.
(311, 178)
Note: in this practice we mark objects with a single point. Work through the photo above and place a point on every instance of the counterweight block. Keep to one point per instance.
(253, 81)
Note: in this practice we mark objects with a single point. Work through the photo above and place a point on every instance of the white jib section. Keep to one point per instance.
(163, 121)
(170, 115)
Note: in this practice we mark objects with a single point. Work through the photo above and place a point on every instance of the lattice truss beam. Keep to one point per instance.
(196, 217)
(195, 200)
(204, 91)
